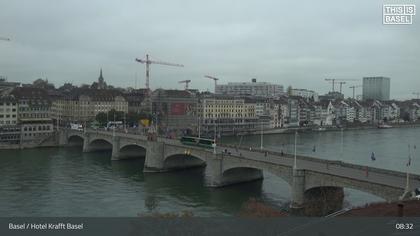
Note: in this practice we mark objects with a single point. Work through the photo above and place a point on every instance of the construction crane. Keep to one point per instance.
(417, 94)
(354, 88)
(215, 81)
(341, 83)
(186, 83)
(4, 39)
(148, 62)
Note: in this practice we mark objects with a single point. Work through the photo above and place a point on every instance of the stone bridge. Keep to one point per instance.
(315, 183)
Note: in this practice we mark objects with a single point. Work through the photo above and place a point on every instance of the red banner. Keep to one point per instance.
(178, 109)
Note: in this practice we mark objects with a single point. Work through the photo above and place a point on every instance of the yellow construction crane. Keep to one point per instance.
(338, 80)
(186, 83)
(354, 87)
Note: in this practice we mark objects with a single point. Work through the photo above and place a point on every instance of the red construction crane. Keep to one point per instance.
(341, 83)
(215, 81)
(147, 61)
(354, 87)
(186, 83)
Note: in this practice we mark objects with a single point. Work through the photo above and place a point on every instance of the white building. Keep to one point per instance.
(304, 93)
(8, 111)
(254, 88)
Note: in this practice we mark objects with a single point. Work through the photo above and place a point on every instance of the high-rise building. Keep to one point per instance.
(377, 88)
(253, 88)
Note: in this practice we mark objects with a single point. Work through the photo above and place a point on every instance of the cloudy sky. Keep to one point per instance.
(297, 43)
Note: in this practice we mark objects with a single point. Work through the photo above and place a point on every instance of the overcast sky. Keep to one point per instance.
(297, 43)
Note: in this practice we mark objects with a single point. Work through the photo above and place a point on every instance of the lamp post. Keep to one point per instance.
(407, 183)
(199, 126)
(113, 130)
(262, 136)
(341, 147)
(214, 107)
(295, 161)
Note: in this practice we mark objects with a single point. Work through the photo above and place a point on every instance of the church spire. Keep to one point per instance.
(101, 81)
(101, 78)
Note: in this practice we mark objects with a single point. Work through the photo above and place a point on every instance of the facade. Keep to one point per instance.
(229, 115)
(34, 114)
(82, 105)
(254, 88)
(135, 100)
(174, 111)
(9, 128)
(8, 110)
(377, 88)
(293, 109)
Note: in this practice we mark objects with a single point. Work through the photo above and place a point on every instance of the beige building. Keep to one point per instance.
(226, 115)
(82, 105)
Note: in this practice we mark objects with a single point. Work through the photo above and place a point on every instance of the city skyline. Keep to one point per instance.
(70, 42)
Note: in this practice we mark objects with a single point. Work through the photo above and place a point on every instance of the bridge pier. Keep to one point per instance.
(154, 161)
(86, 147)
(62, 138)
(115, 148)
(297, 205)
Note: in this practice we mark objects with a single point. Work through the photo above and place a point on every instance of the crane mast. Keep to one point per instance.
(148, 98)
(215, 81)
(340, 81)
(354, 88)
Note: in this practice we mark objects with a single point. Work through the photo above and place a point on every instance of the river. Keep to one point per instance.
(68, 182)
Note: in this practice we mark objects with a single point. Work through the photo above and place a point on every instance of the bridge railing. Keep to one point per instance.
(329, 162)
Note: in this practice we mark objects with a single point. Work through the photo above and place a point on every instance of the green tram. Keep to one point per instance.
(196, 141)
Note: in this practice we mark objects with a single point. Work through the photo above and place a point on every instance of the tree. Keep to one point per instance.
(102, 118)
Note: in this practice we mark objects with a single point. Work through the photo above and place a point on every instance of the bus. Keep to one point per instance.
(196, 141)
(114, 124)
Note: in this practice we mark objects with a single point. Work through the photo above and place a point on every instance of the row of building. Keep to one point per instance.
(31, 112)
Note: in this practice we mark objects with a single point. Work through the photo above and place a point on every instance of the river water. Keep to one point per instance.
(67, 182)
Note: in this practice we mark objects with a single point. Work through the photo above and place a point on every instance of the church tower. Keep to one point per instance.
(101, 81)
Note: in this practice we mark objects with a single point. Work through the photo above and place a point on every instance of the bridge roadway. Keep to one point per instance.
(312, 180)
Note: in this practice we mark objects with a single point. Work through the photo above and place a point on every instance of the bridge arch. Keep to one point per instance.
(284, 173)
(75, 140)
(318, 180)
(240, 175)
(183, 161)
(99, 144)
(132, 150)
